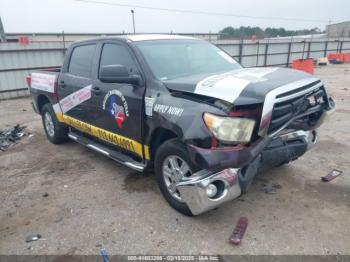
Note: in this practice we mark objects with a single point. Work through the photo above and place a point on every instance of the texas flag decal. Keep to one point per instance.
(119, 118)
(116, 107)
(117, 112)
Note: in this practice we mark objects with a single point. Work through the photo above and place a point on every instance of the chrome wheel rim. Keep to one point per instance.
(49, 126)
(174, 169)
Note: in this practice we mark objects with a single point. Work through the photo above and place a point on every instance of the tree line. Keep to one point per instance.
(244, 32)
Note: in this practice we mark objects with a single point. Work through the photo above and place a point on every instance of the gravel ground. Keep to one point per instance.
(93, 202)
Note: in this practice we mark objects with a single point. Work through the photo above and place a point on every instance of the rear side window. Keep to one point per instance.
(114, 54)
(81, 60)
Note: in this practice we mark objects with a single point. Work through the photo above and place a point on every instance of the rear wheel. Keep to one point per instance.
(56, 132)
(172, 163)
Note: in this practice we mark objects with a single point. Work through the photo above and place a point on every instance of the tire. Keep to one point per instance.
(56, 132)
(169, 151)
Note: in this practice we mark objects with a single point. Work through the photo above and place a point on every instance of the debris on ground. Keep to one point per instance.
(271, 189)
(238, 233)
(33, 237)
(9, 137)
(104, 255)
(331, 175)
(46, 194)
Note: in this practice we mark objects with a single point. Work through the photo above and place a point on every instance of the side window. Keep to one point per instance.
(114, 54)
(81, 60)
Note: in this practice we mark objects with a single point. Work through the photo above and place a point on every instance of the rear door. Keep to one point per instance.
(75, 82)
(117, 108)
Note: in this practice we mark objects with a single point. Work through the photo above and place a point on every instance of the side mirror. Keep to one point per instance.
(118, 74)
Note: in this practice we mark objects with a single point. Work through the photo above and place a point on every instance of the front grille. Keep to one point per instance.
(284, 112)
(300, 89)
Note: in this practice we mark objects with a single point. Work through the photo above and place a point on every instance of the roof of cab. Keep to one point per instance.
(136, 38)
(145, 37)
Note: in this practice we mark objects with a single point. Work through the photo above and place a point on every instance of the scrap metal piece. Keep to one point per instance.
(10, 136)
(331, 175)
(237, 234)
(33, 237)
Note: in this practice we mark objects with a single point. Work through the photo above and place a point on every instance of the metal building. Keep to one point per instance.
(339, 29)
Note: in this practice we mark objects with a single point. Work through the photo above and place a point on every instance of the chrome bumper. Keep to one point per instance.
(310, 137)
(194, 190)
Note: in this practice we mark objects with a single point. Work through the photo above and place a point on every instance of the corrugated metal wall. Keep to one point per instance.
(16, 60)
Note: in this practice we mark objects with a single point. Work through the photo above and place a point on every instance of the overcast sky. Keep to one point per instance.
(74, 16)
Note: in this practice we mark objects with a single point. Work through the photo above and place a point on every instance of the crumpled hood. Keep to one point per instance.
(242, 86)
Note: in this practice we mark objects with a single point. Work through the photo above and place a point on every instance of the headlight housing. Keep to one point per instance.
(230, 129)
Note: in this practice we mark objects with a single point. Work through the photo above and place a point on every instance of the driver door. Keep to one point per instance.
(118, 107)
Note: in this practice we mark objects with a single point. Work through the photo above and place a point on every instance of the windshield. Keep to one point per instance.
(171, 59)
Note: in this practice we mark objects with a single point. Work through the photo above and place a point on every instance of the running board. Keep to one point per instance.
(119, 157)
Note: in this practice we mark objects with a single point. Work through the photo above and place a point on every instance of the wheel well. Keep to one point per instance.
(159, 136)
(42, 100)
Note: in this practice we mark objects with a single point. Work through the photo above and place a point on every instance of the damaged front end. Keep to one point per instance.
(286, 131)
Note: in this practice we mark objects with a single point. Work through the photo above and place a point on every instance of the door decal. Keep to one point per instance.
(115, 105)
(75, 98)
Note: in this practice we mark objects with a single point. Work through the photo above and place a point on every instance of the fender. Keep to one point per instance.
(182, 117)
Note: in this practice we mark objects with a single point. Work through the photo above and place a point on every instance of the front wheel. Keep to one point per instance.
(172, 163)
(56, 132)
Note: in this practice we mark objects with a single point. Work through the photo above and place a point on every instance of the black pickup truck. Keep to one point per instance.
(182, 107)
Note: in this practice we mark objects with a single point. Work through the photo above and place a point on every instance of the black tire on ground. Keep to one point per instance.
(60, 131)
(168, 148)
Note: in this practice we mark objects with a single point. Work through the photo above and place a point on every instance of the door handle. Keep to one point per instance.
(96, 90)
(62, 84)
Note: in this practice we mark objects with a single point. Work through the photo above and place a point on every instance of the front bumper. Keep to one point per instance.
(194, 189)
(232, 182)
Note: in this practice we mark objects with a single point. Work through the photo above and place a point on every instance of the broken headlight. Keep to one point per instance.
(230, 129)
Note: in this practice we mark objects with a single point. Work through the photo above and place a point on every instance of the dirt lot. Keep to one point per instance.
(94, 202)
